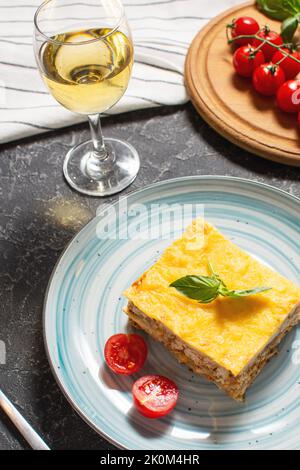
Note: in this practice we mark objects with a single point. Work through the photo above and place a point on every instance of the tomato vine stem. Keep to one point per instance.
(263, 40)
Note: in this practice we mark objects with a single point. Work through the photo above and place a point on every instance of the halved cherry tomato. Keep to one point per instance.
(288, 96)
(125, 354)
(244, 26)
(246, 60)
(290, 67)
(154, 395)
(267, 78)
(271, 36)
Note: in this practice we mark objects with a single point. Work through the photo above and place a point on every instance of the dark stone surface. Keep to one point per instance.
(171, 142)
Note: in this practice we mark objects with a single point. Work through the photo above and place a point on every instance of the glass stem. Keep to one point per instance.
(100, 152)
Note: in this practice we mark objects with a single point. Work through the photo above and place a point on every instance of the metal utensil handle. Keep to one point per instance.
(29, 434)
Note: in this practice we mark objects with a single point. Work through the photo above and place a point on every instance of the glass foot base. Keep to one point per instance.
(113, 174)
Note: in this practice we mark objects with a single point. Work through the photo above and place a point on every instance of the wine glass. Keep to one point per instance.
(84, 53)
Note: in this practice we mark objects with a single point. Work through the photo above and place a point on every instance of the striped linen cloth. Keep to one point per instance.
(162, 31)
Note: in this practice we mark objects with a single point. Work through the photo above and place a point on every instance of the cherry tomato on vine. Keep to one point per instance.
(154, 395)
(125, 354)
(290, 67)
(270, 36)
(267, 78)
(246, 60)
(245, 25)
(288, 96)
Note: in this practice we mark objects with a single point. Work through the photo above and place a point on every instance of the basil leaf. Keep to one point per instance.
(292, 5)
(245, 293)
(288, 28)
(279, 9)
(205, 289)
(202, 288)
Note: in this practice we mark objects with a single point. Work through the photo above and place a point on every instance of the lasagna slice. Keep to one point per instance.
(228, 340)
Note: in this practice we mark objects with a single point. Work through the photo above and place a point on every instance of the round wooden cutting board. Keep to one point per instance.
(229, 103)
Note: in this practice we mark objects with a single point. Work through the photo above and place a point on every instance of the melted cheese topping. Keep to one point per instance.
(229, 331)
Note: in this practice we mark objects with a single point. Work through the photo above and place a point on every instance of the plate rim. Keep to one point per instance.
(170, 181)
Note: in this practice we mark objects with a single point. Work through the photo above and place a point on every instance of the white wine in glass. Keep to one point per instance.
(84, 53)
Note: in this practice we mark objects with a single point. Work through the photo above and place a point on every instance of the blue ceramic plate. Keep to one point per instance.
(84, 307)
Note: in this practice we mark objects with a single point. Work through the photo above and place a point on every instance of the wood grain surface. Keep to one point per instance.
(229, 103)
